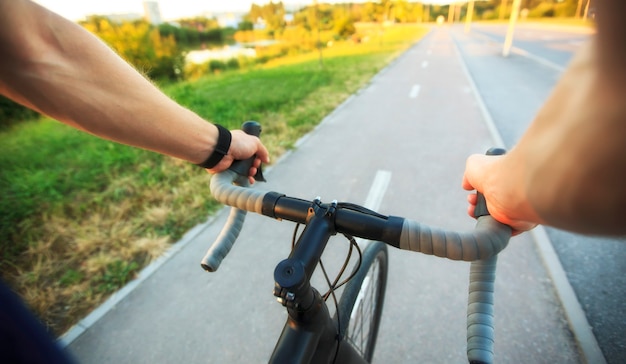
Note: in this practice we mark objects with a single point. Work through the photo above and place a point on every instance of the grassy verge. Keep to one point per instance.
(79, 216)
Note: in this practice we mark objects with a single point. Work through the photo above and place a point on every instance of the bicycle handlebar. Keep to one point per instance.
(488, 238)
(480, 246)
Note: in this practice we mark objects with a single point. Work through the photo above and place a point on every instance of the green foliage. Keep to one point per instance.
(12, 112)
(70, 277)
(140, 44)
(273, 14)
(116, 275)
(232, 64)
(561, 9)
(199, 23)
(245, 25)
(216, 65)
(542, 10)
(265, 91)
(194, 71)
(191, 37)
(490, 9)
(62, 167)
(344, 27)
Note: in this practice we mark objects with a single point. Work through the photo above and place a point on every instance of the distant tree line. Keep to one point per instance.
(193, 32)
(158, 51)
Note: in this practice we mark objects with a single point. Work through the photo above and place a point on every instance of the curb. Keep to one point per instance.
(583, 334)
(83, 325)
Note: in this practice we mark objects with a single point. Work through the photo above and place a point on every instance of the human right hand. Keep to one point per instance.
(503, 193)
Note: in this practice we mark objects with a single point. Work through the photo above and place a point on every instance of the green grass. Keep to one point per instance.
(79, 216)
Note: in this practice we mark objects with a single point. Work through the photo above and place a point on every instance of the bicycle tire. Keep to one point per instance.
(361, 304)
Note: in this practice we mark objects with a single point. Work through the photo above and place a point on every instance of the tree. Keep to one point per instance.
(273, 14)
(245, 25)
(199, 23)
(343, 24)
(140, 44)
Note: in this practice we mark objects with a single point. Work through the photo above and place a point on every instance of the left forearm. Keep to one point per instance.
(61, 70)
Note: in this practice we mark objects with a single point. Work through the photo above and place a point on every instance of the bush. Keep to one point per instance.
(12, 112)
(141, 44)
(541, 11)
(232, 64)
(194, 71)
(216, 65)
(489, 15)
(344, 28)
(565, 10)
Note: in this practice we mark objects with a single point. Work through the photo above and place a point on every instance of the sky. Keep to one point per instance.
(170, 9)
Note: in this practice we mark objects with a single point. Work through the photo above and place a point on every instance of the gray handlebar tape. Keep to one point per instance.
(480, 322)
(224, 191)
(481, 247)
(242, 200)
(487, 240)
(225, 240)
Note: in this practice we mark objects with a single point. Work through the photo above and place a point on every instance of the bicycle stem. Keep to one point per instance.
(292, 275)
(308, 321)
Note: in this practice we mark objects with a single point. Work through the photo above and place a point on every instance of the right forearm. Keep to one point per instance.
(574, 153)
(569, 168)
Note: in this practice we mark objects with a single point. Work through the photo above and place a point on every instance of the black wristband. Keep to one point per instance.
(221, 148)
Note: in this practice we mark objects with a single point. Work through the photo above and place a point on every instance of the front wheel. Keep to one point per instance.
(361, 303)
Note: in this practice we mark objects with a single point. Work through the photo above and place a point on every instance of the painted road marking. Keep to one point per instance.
(415, 90)
(375, 196)
(377, 190)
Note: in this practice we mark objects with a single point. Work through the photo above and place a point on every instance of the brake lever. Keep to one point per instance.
(242, 167)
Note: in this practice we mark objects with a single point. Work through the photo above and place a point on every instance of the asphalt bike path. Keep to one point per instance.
(513, 89)
(401, 142)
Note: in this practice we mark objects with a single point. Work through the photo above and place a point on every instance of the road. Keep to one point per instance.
(595, 267)
(417, 120)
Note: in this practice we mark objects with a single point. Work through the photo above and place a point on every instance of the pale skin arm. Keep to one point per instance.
(569, 168)
(58, 68)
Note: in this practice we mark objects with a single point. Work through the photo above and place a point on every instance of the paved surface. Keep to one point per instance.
(513, 90)
(418, 120)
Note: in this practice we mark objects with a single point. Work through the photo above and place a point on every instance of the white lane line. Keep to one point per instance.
(415, 90)
(538, 59)
(424, 64)
(375, 196)
(528, 55)
(377, 190)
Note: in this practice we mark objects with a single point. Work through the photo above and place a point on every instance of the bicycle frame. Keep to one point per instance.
(310, 335)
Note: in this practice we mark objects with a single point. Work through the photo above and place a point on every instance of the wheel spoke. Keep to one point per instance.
(363, 313)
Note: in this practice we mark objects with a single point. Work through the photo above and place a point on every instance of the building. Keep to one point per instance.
(152, 12)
